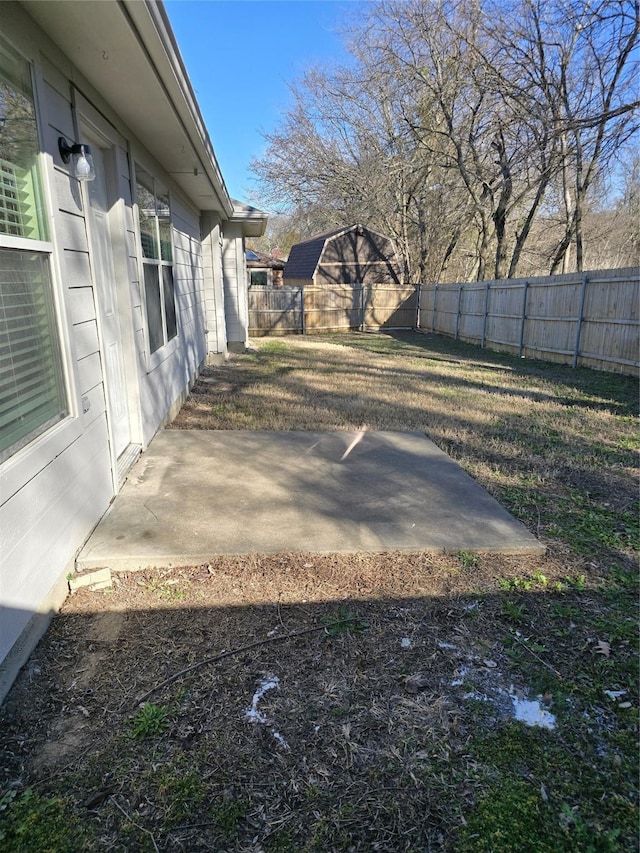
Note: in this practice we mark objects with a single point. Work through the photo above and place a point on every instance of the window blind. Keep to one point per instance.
(32, 395)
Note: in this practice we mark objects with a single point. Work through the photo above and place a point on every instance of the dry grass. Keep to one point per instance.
(542, 438)
(393, 731)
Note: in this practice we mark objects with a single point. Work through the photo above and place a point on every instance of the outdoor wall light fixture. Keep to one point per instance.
(81, 159)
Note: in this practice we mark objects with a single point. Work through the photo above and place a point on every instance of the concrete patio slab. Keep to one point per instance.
(197, 494)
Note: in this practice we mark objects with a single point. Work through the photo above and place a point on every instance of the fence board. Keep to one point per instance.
(331, 308)
(592, 322)
(388, 306)
(274, 311)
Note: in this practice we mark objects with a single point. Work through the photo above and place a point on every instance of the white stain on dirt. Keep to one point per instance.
(532, 713)
(271, 682)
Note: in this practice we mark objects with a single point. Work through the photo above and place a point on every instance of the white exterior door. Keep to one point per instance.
(107, 297)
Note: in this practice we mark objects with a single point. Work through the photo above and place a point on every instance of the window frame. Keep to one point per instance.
(169, 345)
(261, 272)
(27, 461)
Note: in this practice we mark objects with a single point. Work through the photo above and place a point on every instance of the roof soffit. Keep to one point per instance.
(126, 51)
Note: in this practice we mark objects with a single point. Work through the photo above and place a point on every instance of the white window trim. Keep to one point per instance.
(28, 461)
(40, 247)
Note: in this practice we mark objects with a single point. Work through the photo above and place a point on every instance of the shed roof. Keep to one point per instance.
(305, 256)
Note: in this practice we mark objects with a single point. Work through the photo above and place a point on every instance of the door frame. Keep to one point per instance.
(92, 124)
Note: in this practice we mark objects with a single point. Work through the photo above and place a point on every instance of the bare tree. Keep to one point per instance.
(596, 103)
(461, 129)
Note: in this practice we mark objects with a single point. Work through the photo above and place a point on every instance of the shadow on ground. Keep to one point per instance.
(336, 702)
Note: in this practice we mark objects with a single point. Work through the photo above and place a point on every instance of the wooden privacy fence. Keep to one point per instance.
(585, 319)
(331, 308)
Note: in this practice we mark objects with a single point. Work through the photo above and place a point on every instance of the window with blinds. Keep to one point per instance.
(32, 388)
(33, 395)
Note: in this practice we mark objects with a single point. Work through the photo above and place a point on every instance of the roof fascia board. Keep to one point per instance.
(364, 228)
(252, 220)
(378, 234)
(340, 233)
(151, 26)
(324, 246)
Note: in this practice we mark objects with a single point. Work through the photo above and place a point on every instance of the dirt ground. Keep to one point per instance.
(354, 712)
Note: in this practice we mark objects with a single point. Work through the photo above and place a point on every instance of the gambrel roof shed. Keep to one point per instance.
(354, 254)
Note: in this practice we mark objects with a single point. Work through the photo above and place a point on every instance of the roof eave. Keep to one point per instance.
(252, 221)
(186, 101)
(127, 52)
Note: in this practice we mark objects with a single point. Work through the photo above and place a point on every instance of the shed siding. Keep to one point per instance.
(298, 282)
(353, 255)
(357, 256)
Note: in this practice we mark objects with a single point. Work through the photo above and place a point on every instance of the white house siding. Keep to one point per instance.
(235, 287)
(214, 292)
(53, 491)
(165, 379)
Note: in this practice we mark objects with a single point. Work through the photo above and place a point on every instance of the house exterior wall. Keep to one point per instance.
(235, 288)
(55, 490)
(212, 245)
(165, 381)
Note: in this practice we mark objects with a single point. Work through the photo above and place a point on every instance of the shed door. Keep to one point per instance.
(107, 296)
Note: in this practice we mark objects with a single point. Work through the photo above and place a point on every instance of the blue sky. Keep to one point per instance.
(240, 55)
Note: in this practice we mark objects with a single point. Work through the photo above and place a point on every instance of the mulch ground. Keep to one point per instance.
(338, 743)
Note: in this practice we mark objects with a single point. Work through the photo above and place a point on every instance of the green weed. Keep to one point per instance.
(180, 791)
(227, 816)
(32, 823)
(344, 621)
(513, 611)
(149, 720)
(537, 799)
(588, 526)
(468, 560)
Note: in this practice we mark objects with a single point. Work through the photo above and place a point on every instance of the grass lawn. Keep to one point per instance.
(361, 702)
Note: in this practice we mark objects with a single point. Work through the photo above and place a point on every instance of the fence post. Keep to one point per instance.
(486, 314)
(418, 297)
(524, 317)
(583, 291)
(458, 310)
(367, 297)
(435, 308)
(363, 307)
(303, 325)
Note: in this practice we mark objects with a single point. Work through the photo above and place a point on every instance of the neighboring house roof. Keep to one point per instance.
(305, 256)
(261, 260)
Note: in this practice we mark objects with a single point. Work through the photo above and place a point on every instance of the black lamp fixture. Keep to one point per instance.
(81, 159)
